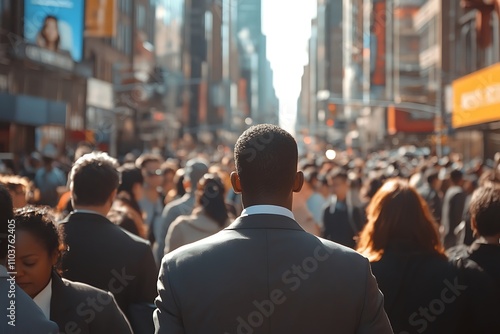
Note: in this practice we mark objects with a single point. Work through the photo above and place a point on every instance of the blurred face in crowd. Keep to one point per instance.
(33, 263)
(437, 183)
(153, 174)
(339, 187)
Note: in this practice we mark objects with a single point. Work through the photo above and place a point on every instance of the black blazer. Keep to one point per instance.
(103, 255)
(265, 274)
(81, 308)
(424, 293)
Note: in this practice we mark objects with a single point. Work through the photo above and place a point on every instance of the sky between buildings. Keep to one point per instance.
(287, 25)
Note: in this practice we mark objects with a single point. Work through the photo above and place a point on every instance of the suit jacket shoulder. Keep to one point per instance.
(267, 260)
(78, 306)
(29, 318)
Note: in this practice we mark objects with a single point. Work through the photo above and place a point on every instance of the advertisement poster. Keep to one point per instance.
(56, 25)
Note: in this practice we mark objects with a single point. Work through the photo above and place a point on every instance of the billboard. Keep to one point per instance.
(56, 25)
(476, 98)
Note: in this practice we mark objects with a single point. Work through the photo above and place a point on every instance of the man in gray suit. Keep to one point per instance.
(264, 273)
(19, 313)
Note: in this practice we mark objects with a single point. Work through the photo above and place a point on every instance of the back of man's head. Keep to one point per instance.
(6, 214)
(456, 176)
(432, 175)
(266, 160)
(93, 179)
(485, 211)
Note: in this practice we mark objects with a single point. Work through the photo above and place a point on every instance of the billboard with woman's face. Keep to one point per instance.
(56, 25)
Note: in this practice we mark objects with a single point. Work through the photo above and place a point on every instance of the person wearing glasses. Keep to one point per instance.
(151, 203)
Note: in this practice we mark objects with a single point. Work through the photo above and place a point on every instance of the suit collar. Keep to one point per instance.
(87, 217)
(57, 306)
(265, 221)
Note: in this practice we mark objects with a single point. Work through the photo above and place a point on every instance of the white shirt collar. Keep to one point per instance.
(43, 299)
(267, 210)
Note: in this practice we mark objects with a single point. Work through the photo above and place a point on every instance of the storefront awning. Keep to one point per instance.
(29, 110)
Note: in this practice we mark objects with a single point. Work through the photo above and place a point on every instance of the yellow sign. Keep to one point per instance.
(100, 18)
(476, 98)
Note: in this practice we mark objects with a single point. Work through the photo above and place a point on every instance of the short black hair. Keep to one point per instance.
(456, 176)
(266, 159)
(6, 215)
(93, 179)
(432, 176)
(130, 175)
(485, 210)
(39, 222)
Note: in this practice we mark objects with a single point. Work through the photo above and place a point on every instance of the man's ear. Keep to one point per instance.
(236, 183)
(298, 182)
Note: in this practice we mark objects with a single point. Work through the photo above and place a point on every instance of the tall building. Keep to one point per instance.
(255, 68)
(471, 99)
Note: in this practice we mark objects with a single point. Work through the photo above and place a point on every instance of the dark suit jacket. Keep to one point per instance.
(424, 293)
(487, 257)
(29, 319)
(265, 274)
(80, 308)
(455, 215)
(435, 203)
(343, 226)
(105, 256)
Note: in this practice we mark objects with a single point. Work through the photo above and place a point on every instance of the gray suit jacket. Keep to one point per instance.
(29, 319)
(265, 274)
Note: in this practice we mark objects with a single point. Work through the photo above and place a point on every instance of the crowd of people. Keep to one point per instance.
(228, 242)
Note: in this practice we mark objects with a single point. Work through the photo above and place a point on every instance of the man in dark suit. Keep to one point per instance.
(100, 253)
(264, 273)
(432, 196)
(19, 313)
(453, 209)
(342, 220)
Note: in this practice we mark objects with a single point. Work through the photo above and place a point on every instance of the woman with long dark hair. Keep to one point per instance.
(49, 36)
(75, 307)
(208, 217)
(126, 211)
(401, 241)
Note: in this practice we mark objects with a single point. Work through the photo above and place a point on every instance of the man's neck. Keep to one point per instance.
(262, 200)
